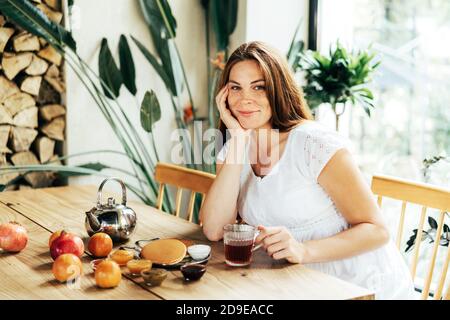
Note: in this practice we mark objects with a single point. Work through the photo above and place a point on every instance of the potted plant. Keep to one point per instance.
(338, 78)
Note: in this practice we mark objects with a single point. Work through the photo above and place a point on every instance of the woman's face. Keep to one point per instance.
(247, 95)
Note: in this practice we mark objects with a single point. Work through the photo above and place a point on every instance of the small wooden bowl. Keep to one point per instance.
(154, 277)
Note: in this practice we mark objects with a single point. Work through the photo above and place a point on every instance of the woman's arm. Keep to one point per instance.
(220, 203)
(219, 207)
(344, 183)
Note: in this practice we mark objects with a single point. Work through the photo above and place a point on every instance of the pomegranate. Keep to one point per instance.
(13, 237)
(53, 237)
(67, 243)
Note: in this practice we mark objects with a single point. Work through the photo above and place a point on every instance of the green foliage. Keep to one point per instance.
(150, 111)
(339, 77)
(26, 15)
(127, 65)
(108, 71)
(224, 18)
(168, 81)
(162, 26)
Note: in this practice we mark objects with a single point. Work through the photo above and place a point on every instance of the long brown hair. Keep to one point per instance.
(285, 97)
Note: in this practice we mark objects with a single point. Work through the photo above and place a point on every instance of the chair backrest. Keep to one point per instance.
(183, 178)
(429, 197)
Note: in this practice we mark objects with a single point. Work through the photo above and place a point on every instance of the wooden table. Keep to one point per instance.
(27, 275)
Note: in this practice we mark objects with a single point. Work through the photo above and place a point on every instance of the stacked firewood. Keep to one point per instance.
(32, 87)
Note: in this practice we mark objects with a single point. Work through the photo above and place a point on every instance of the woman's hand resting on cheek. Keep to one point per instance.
(279, 244)
(227, 117)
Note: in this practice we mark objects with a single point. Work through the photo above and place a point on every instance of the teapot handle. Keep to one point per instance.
(99, 193)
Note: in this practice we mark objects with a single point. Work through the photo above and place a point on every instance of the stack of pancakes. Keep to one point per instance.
(164, 251)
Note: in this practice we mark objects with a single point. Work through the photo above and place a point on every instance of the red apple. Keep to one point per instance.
(67, 243)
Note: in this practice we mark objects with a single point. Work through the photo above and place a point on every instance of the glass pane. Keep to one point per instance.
(411, 120)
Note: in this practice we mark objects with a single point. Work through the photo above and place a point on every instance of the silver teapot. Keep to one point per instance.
(116, 220)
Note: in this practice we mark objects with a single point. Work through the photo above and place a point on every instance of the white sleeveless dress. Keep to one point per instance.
(289, 195)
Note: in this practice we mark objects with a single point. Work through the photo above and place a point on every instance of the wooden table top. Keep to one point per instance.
(28, 275)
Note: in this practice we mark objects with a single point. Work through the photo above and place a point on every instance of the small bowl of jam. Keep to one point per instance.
(193, 272)
(154, 277)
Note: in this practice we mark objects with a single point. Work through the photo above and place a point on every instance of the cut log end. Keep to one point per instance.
(35, 179)
(5, 35)
(53, 15)
(27, 118)
(7, 89)
(55, 129)
(12, 64)
(50, 54)
(22, 138)
(37, 67)
(31, 85)
(45, 148)
(18, 102)
(51, 111)
(26, 42)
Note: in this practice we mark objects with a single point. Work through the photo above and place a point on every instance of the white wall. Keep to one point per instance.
(274, 22)
(87, 130)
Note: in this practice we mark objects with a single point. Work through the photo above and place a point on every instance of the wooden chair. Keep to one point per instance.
(184, 178)
(428, 196)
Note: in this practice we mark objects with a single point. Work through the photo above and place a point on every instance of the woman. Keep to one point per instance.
(307, 196)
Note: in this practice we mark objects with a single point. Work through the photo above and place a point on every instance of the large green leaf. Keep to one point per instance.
(224, 16)
(158, 15)
(164, 53)
(170, 84)
(150, 111)
(162, 26)
(30, 18)
(108, 71)
(96, 166)
(127, 65)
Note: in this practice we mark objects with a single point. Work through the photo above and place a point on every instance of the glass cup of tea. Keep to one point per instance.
(239, 242)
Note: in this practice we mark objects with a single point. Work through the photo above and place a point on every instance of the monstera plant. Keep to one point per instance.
(338, 78)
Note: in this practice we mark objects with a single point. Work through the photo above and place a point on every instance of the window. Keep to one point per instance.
(411, 120)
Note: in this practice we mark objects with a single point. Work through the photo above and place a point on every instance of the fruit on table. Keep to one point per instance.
(122, 256)
(67, 267)
(54, 235)
(95, 263)
(67, 243)
(13, 237)
(100, 245)
(108, 274)
(136, 266)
